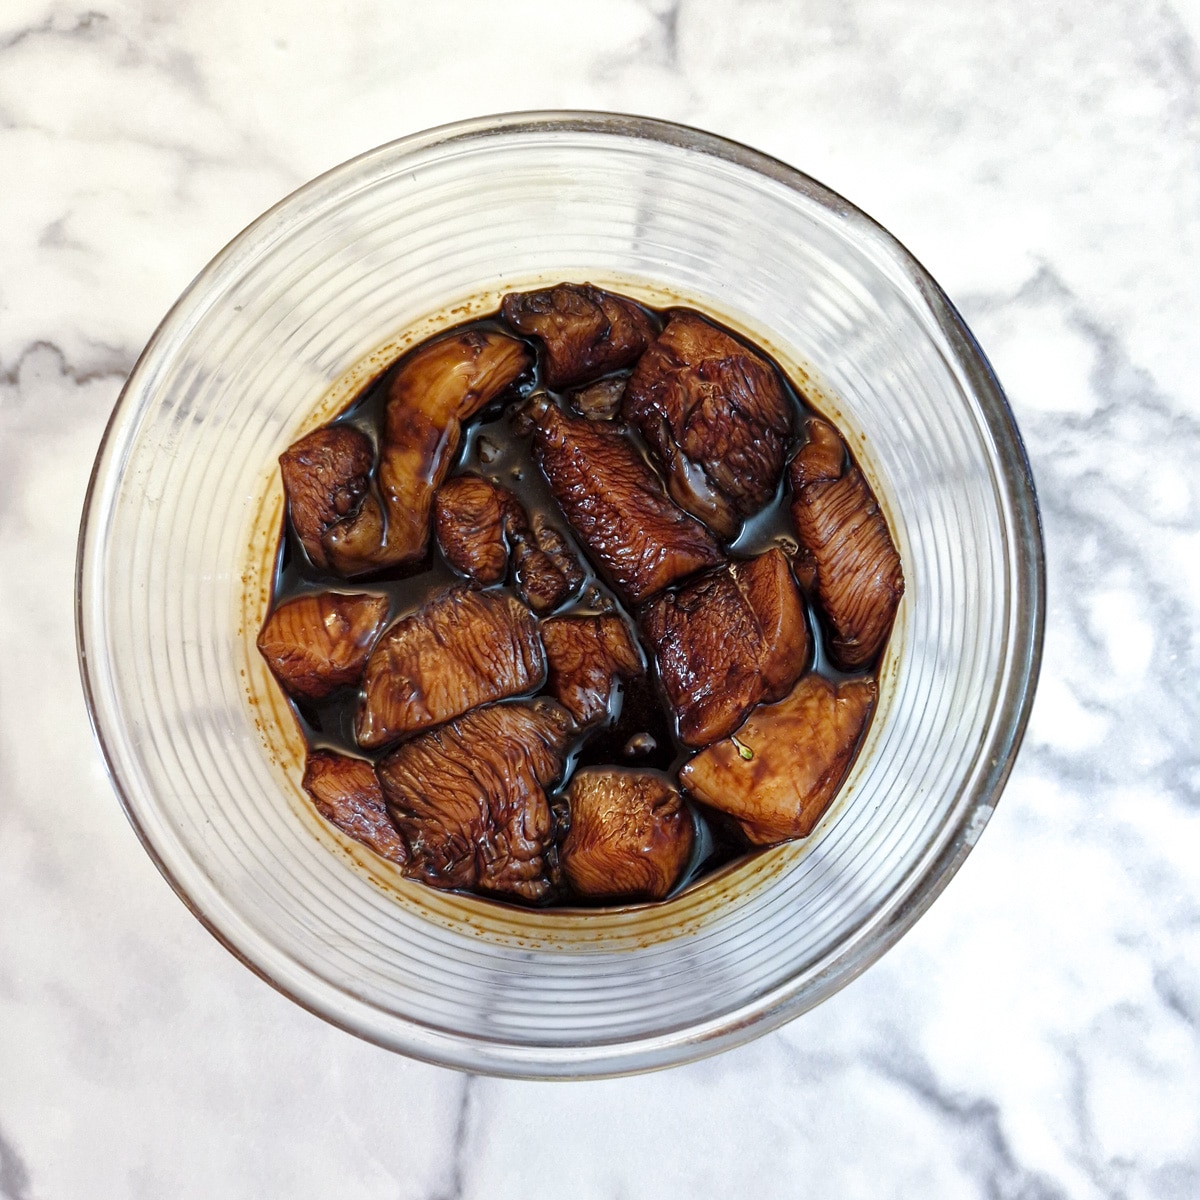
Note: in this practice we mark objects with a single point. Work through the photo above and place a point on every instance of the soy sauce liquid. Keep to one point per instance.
(497, 445)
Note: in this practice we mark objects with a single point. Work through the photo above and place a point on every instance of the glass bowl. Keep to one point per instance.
(176, 554)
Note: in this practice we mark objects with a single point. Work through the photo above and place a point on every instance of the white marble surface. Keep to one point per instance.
(1036, 1035)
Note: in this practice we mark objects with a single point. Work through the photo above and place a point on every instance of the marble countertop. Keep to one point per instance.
(1036, 1035)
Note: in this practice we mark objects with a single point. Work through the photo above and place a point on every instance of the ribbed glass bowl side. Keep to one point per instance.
(184, 507)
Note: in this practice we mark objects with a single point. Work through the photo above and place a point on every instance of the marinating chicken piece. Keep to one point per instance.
(326, 476)
(769, 590)
(631, 834)
(440, 386)
(555, 547)
(546, 573)
(838, 522)
(804, 568)
(584, 332)
(474, 519)
(617, 507)
(777, 774)
(586, 656)
(480, 525)
(600, 401)
(347, 794)
(462, 649)
(716, 414)
(727, 641)
(320, 641)
(469, 798)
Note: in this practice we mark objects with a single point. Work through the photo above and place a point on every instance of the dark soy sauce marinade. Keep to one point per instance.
(497, 445)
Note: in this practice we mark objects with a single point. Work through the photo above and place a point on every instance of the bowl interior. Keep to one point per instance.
(176, 559)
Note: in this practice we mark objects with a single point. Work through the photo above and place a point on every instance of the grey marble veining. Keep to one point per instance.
(1037, 1035)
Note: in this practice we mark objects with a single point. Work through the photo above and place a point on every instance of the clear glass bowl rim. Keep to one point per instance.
(1028, 583)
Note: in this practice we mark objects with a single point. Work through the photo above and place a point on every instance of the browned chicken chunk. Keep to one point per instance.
(439, 387)
(586, 656)
(777, 774)
(584, 332)
(478, 521)
(475, 520)
(320, 641)
(617, 507)
(460, 650)
(804, 568)
(469, 799)
(600, 401)
(838, 522)
(326, 476)
(546, 573)
(717, 415)
(631, 834)
(347, 794)
(727, 641)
